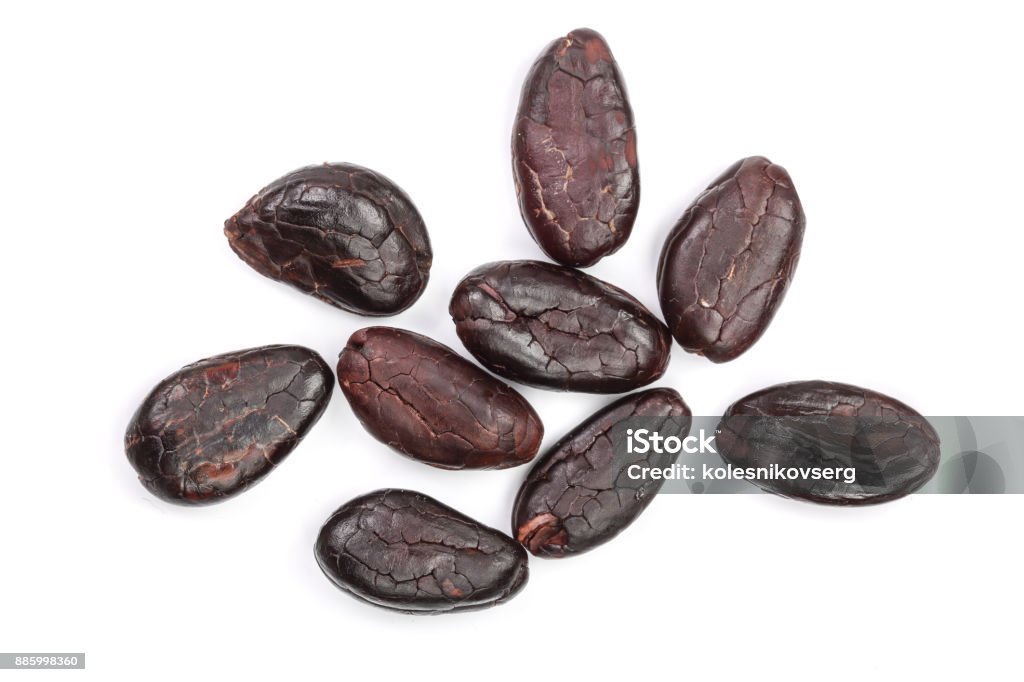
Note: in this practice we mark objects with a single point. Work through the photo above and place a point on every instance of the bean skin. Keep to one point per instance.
(427, 402)
(558, 328)
(727, 263)
(403, 550)
(578, 496)
(345, 234)
(821, 424)
(216, 427)
(574, 152)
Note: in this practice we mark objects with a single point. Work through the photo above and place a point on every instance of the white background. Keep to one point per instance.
(130, 134)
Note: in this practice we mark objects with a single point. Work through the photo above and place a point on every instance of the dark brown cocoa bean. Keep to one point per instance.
(574, 152)
(342, 233)
(427, 402)
(555, 327)
(728, 261)
(820, 426)
(403, 550)
(218, 426)
(579, 494)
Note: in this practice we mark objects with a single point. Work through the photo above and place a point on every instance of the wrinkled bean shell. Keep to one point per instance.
(403, 550)
(727, 263)
(216, 427)
(342, 233)
(821, 424)
(578, 495)
(555, 327)
(574, 152)
(427, 402)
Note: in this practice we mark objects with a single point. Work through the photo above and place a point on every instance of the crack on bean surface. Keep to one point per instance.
(574, 152)
(728, 261)
(577, 496)
(344, 234)
(216, 427)
(427, 402)
(893, 449)
(406, 551)
(554, 327)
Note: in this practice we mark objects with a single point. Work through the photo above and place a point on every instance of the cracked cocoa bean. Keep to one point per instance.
(342, 233)
(822, 426)
(579, 494)
(554, 327)
(403, 550)
(216, 427)
(726, 264)
(574, 152)
(427, 402)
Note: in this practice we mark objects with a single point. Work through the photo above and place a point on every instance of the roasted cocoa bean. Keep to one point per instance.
(555, 327)
(427, 402)
(403, 550)
(342, 233)
(574, 152)
(727, 263)
(820, 426)
(579, 494)
(218, 426)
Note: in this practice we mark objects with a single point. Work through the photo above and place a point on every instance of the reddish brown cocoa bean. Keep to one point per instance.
(727, 263)
(574, 152)
(427, 402)
(403, 550)
(342, 233)
(216, 427)
(821, 426)
(579, 494)
(555, 327)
